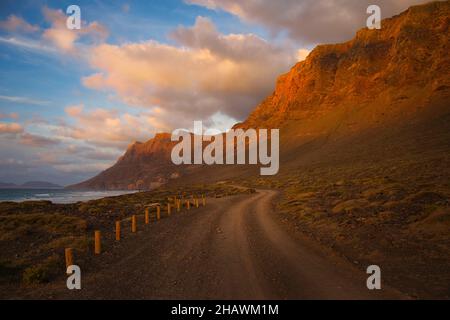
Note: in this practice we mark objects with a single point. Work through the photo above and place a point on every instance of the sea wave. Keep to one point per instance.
(56, 196)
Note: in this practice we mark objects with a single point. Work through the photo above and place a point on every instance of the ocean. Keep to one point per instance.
(55, 195)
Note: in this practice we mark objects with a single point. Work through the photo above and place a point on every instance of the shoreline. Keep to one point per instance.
(34, 234)
(59, 196)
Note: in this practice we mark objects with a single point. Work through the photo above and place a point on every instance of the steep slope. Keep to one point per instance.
(143, 166)
(378, 77)
(380, 82)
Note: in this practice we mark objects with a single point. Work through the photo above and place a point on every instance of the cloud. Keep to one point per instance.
(74, 111)
(14, 23)
(92, 168)
(12, 115)
(72, 155)
(15, 133)
(236, 47)
(206, 72)
(107, 128)
(28, 44)
(13, 164)
(56, 38)
(24, 100)
(308, 21)
(63, 38)
(102, 155)
(10, 128)
(32, 140)
(302, 54)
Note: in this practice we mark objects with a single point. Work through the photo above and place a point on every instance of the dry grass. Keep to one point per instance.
(33, 235)
(395, 215)
(14, 227)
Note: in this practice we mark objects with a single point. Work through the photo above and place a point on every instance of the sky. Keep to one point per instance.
(72, 101)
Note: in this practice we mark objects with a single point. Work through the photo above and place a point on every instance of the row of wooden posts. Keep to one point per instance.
(97, 233)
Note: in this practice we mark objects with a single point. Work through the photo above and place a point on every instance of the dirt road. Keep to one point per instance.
(234, 248)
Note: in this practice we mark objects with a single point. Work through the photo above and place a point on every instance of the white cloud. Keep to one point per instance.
(206, 73)
(24, 100)
(55, 39)
(63, 38)
(28, 44)
(14, 23)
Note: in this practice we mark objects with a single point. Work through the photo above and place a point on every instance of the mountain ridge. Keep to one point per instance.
(382, 78)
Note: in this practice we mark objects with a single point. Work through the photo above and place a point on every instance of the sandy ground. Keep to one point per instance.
(234, 248)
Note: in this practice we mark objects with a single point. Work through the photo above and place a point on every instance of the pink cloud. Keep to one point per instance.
(14, 23)
(63, 38)
(10, 128)
(36, 140)
(108, 128)
(74, 111)
(206, 72)
(12, 115)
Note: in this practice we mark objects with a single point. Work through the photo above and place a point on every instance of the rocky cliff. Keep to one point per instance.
(382, 78)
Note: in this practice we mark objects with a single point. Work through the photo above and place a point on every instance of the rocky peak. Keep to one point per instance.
(409, 54)
(381, 77)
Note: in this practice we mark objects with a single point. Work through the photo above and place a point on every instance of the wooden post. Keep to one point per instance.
(133, 224)
(98, 245)
(168, 209)
(147, 216)
(178, 205)
(69, 257)
(203, 200)
(117, 230)
(196, 202)
(188, 204)
(158, 213)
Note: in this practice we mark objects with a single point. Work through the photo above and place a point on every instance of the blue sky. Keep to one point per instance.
(48, 82)
(55, 80)
(72, 101)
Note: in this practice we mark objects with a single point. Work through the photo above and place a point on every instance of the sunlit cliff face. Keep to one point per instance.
(71, 101)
